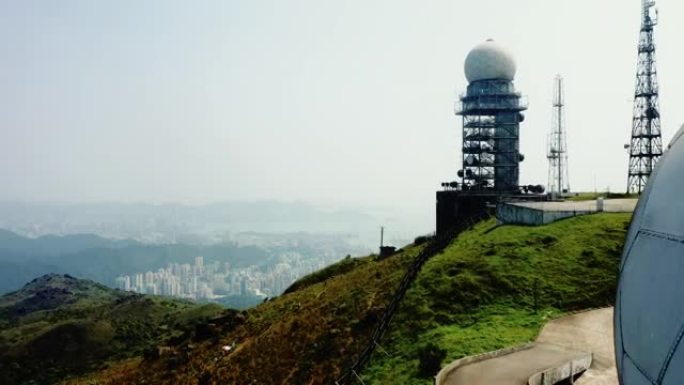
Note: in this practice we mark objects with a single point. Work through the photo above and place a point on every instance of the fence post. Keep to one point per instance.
(536, 294)
(572, 375)
(358, 377)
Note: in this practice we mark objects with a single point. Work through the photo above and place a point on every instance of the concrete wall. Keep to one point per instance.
(444, 373)
(512, 214)
(548, 376)
(555, 375)
(507, 213)
(454, 206)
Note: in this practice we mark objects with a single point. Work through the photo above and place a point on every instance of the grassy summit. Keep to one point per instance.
(492, 287)
(496, 286)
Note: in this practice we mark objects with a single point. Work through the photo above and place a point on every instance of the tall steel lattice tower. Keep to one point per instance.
(646, 145)
(557, 153)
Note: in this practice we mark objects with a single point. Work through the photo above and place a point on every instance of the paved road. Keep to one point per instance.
(512, 369)
(560, 341)
(593, 332)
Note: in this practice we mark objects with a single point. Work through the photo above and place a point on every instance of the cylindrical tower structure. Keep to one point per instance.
(492, 112)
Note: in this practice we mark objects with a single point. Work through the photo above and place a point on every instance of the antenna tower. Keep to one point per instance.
(646, 145)
(557, 153)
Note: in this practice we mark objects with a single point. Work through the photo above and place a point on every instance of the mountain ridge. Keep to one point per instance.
(55, 245)
(493, 287)
(58, 326)
(101, 259)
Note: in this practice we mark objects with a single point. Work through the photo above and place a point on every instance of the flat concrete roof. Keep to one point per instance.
(609, 205)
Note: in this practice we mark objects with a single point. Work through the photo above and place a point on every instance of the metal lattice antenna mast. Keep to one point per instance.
(646, 145)
(557, 153)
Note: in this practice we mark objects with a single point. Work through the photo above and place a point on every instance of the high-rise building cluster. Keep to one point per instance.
(215, 280)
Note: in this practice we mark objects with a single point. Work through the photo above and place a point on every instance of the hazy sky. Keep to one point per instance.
(325, 101)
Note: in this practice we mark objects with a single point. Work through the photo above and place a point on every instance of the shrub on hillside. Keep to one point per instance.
(430, 359)
(422, 239)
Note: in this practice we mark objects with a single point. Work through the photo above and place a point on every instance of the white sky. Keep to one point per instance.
(335, 102)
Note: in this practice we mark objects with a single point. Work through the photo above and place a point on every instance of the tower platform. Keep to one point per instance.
(454, 206)
(541, 213)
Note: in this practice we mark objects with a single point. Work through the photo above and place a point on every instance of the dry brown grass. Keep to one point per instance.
(304, 337)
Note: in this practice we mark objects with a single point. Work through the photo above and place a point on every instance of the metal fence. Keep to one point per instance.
(432, 248)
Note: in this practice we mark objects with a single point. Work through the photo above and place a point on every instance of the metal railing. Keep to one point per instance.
(432, 248)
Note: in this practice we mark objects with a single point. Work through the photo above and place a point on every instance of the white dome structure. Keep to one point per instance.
(649, 312)
(489, 61)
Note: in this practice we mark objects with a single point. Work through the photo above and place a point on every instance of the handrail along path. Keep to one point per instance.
(433, 247)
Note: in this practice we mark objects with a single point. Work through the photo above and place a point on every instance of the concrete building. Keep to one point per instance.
(124, 283)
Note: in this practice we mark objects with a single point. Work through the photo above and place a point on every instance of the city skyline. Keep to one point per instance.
(215, 281)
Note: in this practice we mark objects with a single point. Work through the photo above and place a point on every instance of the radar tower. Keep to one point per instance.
(491, 110)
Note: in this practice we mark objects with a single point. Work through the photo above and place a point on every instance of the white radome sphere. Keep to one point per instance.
(489, 60)
(649, 310)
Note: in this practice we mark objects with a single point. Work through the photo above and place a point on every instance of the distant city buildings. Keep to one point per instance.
(123, 283)
(215, 280)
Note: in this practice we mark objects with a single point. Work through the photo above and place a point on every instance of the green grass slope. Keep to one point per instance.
(492, 287)
(495, 287)
(58, 326)
(342, 267)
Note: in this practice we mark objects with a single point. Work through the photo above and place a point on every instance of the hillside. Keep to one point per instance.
(57, 326)
(102, 260)
(52, 245)
(495, 287)
(492, 287)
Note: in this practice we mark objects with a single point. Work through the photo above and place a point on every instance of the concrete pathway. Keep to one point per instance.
(592, 332)
(514, 368)
(559, 342)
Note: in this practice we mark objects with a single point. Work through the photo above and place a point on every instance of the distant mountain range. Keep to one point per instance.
(177, 223)
(103, 241)
(101, 259)
(52, 245)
